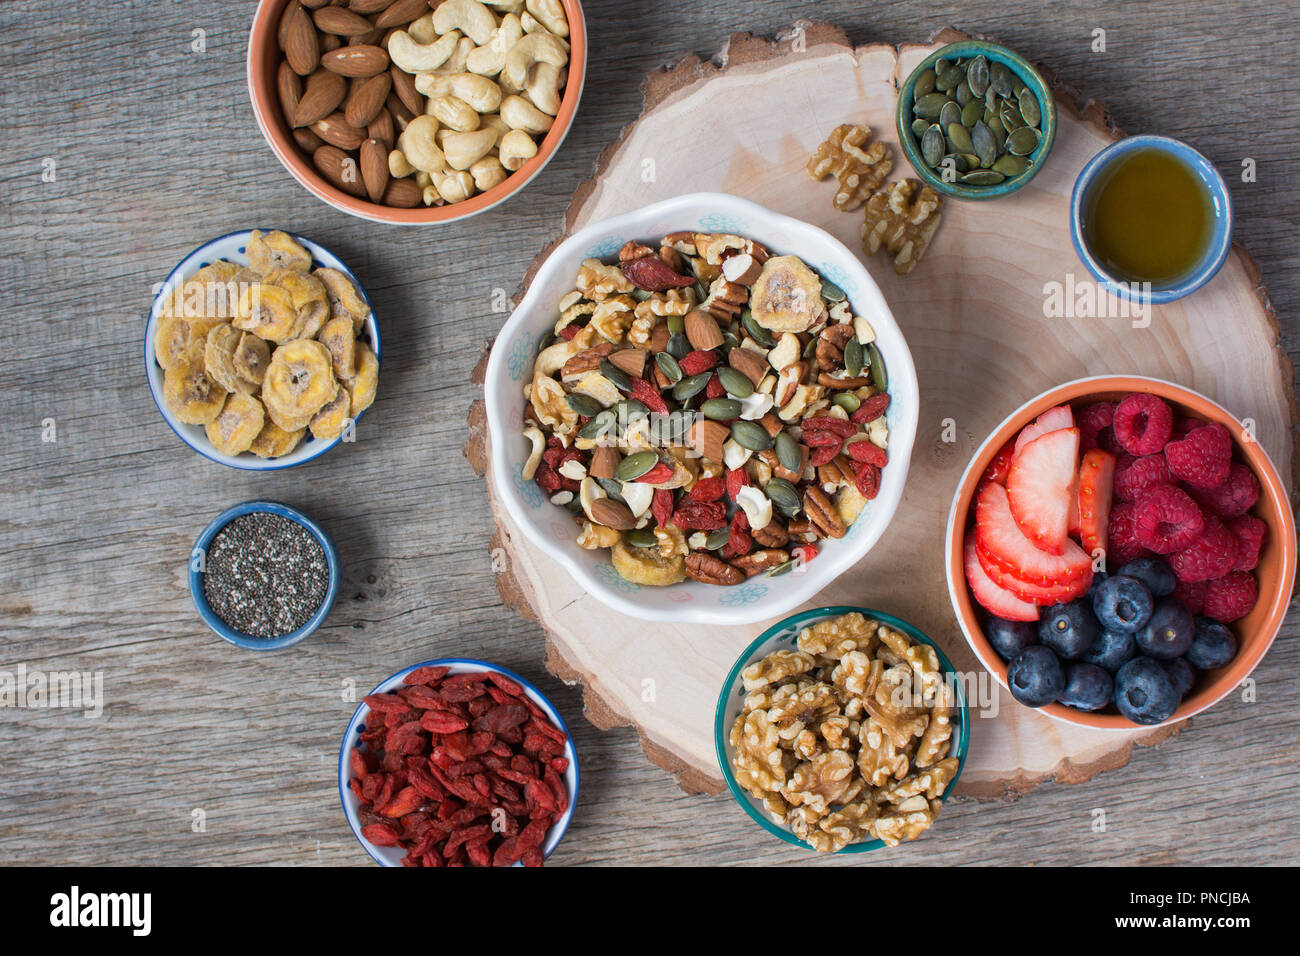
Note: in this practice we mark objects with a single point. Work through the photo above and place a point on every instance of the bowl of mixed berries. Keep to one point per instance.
(1120, 552)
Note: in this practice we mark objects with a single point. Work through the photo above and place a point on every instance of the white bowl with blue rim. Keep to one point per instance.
(392, 855)
(550, 528)
(198, 557)
(233, 248)
(1216, 251)
(783, 636)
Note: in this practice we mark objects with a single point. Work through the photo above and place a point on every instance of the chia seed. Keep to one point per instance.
(265, 575)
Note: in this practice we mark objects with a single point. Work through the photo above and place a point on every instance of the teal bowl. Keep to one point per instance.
(1024, 71)
(782, 636)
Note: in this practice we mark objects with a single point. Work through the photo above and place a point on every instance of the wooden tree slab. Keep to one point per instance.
(973, 313)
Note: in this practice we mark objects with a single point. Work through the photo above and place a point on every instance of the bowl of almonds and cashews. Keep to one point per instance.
(416, 111)
(703, 410)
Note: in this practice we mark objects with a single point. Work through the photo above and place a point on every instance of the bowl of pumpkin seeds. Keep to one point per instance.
(976, 120)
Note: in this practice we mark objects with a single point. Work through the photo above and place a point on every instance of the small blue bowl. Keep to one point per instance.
(224, 631)
(1220, 241)
(782, 636)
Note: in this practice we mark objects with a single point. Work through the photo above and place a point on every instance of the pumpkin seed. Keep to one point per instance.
(1011, 118)
(679, 346)
(810, 349)
(584, 405)
(999, 131)
(783, 494)
(616, 375)
(878, 376)
(959, 136)
(677, 426)
(963, 93)
(701, 291)
(717, 539)
(1000, 79)
(919, 126)
(612, 488)
(785, 567)
(847, 401)
(721, 409)
(731, 340)
(1029, 109)
(756, 331)
(951, 113)
(924, 83)
(548, 339)
(735, 382)
(787, 452)
(641, 538)
(982, 177)
(751, 435)
(573, 505)
(831, 292)
(669, 367)
(676, 324)
(1009, 165)
(635, 465)
(600, 424)
(986, 146)
(971, 112)
(853, 357)
(928, 106)
(630, 410)
(1023, 141)
(977, 75)
(641, 294)
(947, 78)
(932, 145)
(691, 386)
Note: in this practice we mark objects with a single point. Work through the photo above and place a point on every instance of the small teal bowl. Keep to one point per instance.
(218, 626)
(1220, 242)
(1027, 75)
(782, 636)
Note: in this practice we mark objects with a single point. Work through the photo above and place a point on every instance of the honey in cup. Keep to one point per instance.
(1148, 217)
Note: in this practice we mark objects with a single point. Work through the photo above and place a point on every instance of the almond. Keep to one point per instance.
(604, 461)
(288, 85)
(702, 330)
(329, 41)
(336, 130)
(341, 22)
(324, 93)
(367, 7)
(374, 168)
(339, 169)
(403, 193)
(301, 43)
(404, 87)
(659, 336)
(352, 60)
(367, 100)
(750, 364)
(381, 128)
(631, 361)
(401, 12)
(307, 141)
(708, 437)
(612, 514)
(282, 31)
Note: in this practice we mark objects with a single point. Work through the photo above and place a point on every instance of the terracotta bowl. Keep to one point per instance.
(1277, 561)
(264, 59)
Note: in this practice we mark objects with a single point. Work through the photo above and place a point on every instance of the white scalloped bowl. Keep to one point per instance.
(551, 528)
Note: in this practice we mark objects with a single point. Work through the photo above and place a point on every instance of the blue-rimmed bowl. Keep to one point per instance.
(392, 855)
(1094, 174)
(198, 556)
(1024, 71)
(782, 636)
(232, 247)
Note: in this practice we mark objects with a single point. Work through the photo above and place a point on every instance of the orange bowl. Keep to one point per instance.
(1277, 560)
(263, 61)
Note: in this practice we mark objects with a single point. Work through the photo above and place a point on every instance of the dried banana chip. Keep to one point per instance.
(192, 396)
(365, 381)
(339, 336)
(299, 380)
(646, 565)
(343, 297)
(276, 250)
(175, 334)
(333, 417)
(219, 359)
(240, 421)
(273, 441)
(267, 311)
(252, 356)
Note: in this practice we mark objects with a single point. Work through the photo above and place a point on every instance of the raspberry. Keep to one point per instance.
(1122, 545)
(1212, 555)
(1183, 424)
(1135, 475)
(1251, 533)
(1095, 426)
(1235, 496)
(1166, 519)
(1191, 595)
(1204, 458)
(1142, 423)
(1231, 597)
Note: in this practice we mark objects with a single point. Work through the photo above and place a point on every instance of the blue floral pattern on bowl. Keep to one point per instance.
(528, 490)
(720, 222)
(611, 578)
(521, 357)
(604, 248)
(742, 594)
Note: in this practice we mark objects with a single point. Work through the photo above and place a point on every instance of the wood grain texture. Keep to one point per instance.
(156, 151)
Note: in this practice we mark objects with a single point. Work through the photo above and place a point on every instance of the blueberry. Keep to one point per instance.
(1009, 638)
(1181, 674)
(1087, 687)
(1144, 693)
(1122, 603)
(1155, 573)
(1035, 677)
(1097, 578)
(1213, 645)
(1112, 650)
(1169, 632)
(1069, 629)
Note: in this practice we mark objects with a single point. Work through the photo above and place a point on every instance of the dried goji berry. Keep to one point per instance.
(840, 426)
(708, 489)
(823, 455)
(649, 396)
(569, 331)
(740, 541)
(715, 388)
(701, 360)
(502, 717)
(867, 451)
(662, 506)
(654, 275)
(736, 479)
(548, 479)
(560, 764)
(440, 722)
(506, 684)
(357, 761)
(537, 793)
(381, 835)
(659, 473)
(804, 552)
(700, 515)
(824, 438)
(406, 801)
(427, 675)
(871, 409)
(868, 481)
(385, 703)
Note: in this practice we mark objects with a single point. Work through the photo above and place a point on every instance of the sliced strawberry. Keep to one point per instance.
(1042, 483)
(1044, 595)
(1001, 464)
(1001, 541)
(1051, 420)
(993, 598)
(1096, 483)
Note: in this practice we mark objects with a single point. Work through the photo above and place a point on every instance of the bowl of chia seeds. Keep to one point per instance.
(263, 575)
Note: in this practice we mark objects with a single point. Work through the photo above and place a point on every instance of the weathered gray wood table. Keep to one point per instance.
(125, 148)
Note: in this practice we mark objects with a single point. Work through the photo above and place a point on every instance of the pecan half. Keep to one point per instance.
(585, 362)
(821, 512)
(773, 535)
(756, 562)
(707, 569)
(830, 346)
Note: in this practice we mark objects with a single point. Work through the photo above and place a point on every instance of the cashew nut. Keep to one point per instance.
(463, 150)
(488, 172)
(398, 166)
(456, 187)
(459, 57)
(453, 113)
(488, 60)
(506, 6)
(534, 435)
(419, 145)
(550, 13)
(469, 16)
(415, 57)
(422, 29)
(544, 88)
(430, 195)
(533, 48)
(520, 114)
(481, 93)
(516, 148)
(494, 122)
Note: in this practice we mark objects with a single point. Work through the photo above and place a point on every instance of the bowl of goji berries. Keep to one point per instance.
(457, 762)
